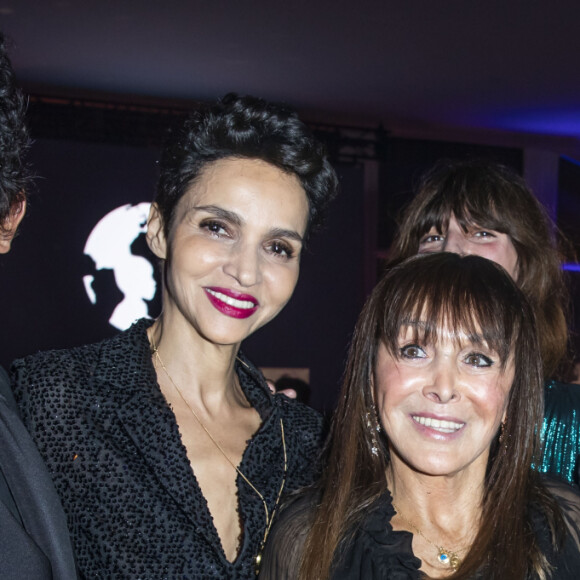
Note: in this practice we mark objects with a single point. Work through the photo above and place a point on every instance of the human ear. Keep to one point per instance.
(156, 233)
(10, 224)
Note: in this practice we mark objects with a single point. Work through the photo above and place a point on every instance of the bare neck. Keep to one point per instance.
(202, 371)
(450, 504)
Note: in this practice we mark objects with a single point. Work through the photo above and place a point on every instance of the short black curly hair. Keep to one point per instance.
(14, 138)
(251, 128)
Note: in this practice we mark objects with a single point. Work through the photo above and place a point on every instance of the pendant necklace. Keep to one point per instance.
(269, 516)
(447, 557)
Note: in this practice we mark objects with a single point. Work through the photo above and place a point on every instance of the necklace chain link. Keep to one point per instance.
(444, 556)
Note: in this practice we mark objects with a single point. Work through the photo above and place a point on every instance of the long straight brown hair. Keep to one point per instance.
(475, 296)
(489, 195)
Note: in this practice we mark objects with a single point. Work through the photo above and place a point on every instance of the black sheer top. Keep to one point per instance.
(374, 551)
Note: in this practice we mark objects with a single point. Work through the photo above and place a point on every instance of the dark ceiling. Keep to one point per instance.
(420, 67)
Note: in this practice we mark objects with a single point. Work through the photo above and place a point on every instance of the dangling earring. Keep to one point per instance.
(374, 427)
(502, 438)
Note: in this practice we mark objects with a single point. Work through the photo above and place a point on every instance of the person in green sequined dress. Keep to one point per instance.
(483, 208)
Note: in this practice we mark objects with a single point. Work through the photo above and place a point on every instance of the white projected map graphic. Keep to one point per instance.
(109, 246)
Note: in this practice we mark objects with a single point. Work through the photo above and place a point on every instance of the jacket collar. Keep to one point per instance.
(125, 361)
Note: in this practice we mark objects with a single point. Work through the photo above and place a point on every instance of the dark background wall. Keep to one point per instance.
(79, 183)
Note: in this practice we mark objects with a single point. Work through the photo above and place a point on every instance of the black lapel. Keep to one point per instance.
(126, 377)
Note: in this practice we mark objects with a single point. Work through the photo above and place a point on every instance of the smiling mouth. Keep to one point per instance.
(241, 304)
(437, 424)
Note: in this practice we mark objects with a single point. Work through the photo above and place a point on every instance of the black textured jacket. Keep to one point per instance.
(113, 447)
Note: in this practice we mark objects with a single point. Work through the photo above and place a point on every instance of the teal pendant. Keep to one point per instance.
(449, 558)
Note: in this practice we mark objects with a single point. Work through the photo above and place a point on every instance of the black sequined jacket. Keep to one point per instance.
(113, 448)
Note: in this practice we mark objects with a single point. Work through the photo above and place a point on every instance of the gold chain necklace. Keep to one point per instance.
(269, 517)
(447, 557)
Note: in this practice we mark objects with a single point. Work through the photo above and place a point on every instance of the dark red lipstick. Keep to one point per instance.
(232, 303)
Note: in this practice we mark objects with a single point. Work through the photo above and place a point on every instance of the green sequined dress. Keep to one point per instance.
(561, 430)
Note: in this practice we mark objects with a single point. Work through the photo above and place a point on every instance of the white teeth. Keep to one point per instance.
(232, 301)
(442, 426)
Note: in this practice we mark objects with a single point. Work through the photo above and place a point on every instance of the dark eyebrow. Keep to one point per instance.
(219, 212)
(281, 233)
(235, 219)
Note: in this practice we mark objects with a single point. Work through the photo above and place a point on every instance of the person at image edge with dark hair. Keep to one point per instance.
(34, 541)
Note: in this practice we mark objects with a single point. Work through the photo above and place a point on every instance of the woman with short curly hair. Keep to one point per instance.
(168, 450)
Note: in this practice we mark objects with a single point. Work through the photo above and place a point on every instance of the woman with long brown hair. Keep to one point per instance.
(429, 462)
(481, 207)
